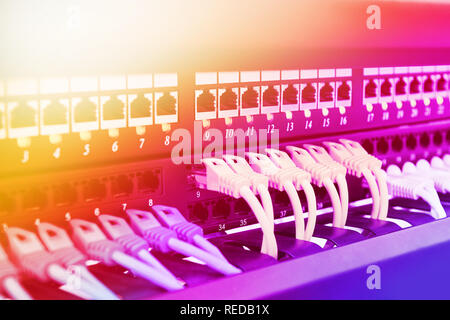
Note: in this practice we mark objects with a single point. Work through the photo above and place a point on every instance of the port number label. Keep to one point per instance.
(290, 126)
(243, 222)
(414, 113)
(326, 122)
(222, 226)
(167, 140)
(400, 114)
(229, 133)
(124, 206)
(308, 124)
(150, 202)
(386, 115)
(115, 146)
(343, 121)
(270, 128)
(197, 194)
(26, 156)
(97, 211)
(370, 117)
(57, 153)
(283, 213)
(250, 131)
(141, 143)
(87, 149)
(427, 111)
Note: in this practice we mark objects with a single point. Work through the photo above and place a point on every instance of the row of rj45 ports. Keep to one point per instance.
(288, 97)
(115, 111)
(244, 93)
(405, 84)
(81, 192)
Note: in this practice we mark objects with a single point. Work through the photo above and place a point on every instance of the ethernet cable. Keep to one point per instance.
(8, 279)
(173, 219)
(220, 177)
(34, 260)
(338, 175)
(322, 176)
(259, 185)
(357, 167)
(282, 181)
(165, 240)
(119, 231)
(93, 242)
(440, 178)
(439, 163)
(404, 185)
(59, 244)
(302, 181)
(375, 165)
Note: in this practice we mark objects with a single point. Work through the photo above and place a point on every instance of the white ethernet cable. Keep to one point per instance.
(283, 181)
(322, 176)
(32, 257)
(338, 174)
(440, 178)
(302, 182)
(58, 242)
(93, 242)
(357, 166)
(404, 185)
(375, 165)
(441, 163)
(187, 231)
(259, 185)
(8, 279)
(220, 178)
(165, 240)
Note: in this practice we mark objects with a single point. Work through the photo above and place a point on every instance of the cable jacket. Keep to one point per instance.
(343, 195)
(213, 262)
(374, 192)
(297, 208)
(335, 202)
(15, 290)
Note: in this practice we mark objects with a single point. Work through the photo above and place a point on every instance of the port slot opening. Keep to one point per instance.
(23, 118)
(113, 112)
(290, 97)
(371, 91)
(308, 95)
(344, 93)
(326, 94)
(228, 102)
(250, 100)
(166, 107)
(205, 104)
(140, 109)
(54, 116)
(270, 99)
(85, 114)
